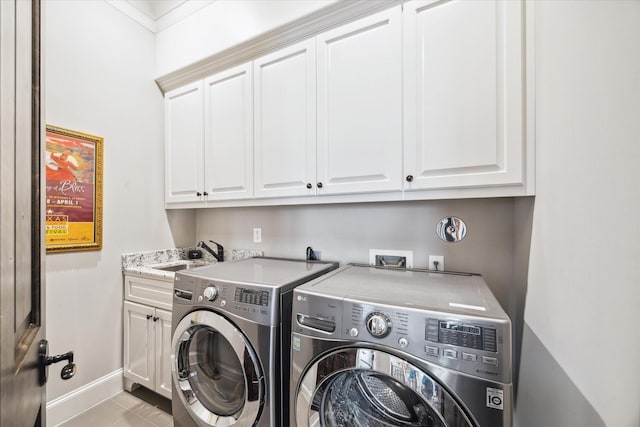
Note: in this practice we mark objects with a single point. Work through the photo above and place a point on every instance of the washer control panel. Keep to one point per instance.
(474, 345)
(247, 301)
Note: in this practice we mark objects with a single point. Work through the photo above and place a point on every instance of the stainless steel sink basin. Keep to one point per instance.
(178, 267)
(173, 267)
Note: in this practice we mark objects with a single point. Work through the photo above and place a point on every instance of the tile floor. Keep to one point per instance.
(141, 408)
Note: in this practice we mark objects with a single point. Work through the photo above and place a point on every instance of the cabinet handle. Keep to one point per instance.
(198, 194)
(309, 185)
(149, 316)
(319, 185)
(409, 178)
(155, 319)
(205, 194)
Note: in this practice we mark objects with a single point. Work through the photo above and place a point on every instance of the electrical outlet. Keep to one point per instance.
(389, 257)
(257, 235)
(433, 259)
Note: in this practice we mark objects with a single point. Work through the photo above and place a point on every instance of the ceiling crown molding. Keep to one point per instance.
(157, 24)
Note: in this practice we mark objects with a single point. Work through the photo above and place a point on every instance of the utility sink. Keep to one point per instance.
(178, 267)
(173, 267)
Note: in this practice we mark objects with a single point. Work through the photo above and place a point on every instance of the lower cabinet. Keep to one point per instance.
(147, 347)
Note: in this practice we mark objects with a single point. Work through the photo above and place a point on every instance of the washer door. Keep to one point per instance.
(360, 387)
(216, 372)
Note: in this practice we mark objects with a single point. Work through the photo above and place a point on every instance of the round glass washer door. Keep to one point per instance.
(216, 372)
(359, 387)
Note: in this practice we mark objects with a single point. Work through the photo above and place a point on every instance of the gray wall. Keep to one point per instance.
(98, 80)
(346, 232)
(581, 344)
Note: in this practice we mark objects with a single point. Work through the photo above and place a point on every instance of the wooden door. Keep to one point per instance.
(22, 311)
(360, 106)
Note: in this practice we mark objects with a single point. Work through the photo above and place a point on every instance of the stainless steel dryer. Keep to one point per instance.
(231, 338)
(378, 347)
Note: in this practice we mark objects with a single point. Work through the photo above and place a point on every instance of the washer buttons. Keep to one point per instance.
(403, 342)
(451, 354)
(469, 357)
(432, 351)
(490, 360)
(223, 303)
(353, 332)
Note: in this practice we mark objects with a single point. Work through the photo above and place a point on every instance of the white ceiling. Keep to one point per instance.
(155, 9)
(156, 15)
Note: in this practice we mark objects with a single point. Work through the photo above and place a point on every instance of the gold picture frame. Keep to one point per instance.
(73, 169)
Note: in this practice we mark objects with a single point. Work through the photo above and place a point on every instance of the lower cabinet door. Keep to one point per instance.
(163, 352)
(139, 343)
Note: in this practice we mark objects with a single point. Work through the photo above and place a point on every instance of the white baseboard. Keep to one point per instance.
(79, 400)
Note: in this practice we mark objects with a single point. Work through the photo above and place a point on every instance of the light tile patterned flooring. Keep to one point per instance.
(141, 408)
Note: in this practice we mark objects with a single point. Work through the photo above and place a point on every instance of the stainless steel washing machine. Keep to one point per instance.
(393, 347)
(231, 339)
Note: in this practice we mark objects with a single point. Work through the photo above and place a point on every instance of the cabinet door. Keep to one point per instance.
(162, 322)
(184, 139)
(360, 105)
(285, 122)
(228, 130)
(139, 349)
(463, 74)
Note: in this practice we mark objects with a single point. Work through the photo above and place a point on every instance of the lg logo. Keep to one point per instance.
(302, 298)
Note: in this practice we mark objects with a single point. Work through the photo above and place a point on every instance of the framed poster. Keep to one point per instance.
(73, 167)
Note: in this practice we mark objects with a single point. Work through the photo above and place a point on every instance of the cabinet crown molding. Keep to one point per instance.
(308, 26)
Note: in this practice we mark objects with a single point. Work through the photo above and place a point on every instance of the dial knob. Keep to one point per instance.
(378, 324)
(210, 293)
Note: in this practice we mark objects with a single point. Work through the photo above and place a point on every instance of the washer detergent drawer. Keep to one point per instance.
(216, 371)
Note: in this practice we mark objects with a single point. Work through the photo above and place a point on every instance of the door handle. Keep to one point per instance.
(68, 371)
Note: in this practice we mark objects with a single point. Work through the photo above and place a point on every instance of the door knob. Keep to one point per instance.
(68, 371)
(319, 185)
(409, 178)
(309, 185)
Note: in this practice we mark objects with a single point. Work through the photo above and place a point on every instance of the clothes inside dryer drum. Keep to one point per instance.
(213, 371)
(360, 398)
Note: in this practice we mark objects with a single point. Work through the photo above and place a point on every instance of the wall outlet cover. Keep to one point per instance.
(257, 235)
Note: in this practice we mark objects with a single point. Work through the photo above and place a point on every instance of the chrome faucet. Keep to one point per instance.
(218, 254)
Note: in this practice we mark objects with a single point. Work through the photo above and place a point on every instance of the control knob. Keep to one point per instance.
(378, 324)
(210, 293)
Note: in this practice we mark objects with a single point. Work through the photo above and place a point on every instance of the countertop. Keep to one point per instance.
(148, 264)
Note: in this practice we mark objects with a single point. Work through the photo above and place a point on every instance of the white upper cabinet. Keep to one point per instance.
(285, 122)
(360, 106)
(184, 160)
(228, 134)
(425, 100)
(463, 94)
